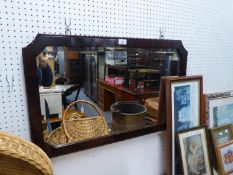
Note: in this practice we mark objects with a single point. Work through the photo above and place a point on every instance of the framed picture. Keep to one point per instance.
(194, 151)
(183, 111)
(225, 157)
(162, 100)
(220, 135)
(219, 109)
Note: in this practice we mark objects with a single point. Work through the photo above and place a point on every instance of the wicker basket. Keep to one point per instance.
(57, 137)
(21, 157)
(76, 127)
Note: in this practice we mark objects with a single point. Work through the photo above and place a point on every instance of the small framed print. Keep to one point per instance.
(194, 154)
(219, 109)
(222, 134)
(225, 157)
(183, 111)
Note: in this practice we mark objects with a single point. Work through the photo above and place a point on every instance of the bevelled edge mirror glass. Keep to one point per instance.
(106, 73)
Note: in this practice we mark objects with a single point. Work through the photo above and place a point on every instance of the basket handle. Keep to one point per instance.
(81, 101)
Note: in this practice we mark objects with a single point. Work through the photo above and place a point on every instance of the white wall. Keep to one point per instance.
(205, 27)
(139, 156)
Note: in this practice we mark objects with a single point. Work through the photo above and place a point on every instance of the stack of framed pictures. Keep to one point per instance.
(181, 108)
(219, 118)
(183, 104)
(222, 139)
(194, 148)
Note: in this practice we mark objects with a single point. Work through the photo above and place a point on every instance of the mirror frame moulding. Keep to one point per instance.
(33, 101)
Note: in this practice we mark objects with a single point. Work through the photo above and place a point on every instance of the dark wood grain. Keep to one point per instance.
(111, 93)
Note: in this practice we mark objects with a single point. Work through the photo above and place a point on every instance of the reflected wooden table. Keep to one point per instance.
(109, 94)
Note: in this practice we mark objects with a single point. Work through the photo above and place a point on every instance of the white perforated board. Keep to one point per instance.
(205, 27)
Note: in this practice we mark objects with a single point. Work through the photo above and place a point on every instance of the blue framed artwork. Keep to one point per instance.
(219, 109)
(183, 110)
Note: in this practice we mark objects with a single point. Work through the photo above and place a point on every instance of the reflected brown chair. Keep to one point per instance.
(62, 81)
(21, 157)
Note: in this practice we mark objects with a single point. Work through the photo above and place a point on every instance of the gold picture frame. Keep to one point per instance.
(194, 154)
(225, 158)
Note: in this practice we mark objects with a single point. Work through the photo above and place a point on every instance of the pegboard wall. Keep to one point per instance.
(205, 27)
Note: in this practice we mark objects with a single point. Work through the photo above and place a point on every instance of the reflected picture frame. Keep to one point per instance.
(225, 158)
(219, 109)
(183, 111)
(194, 153)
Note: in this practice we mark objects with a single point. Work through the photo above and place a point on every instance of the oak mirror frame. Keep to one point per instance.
(42, 41)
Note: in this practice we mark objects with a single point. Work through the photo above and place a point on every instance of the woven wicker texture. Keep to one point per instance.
(57, 137)
(21, 157)
(85, 128)
(79, 128)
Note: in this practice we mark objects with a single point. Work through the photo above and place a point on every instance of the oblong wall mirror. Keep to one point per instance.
(84, 92)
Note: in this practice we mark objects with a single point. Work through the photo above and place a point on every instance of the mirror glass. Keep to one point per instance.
(87, 74)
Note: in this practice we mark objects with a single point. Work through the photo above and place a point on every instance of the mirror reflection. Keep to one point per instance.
(89, 92)
(44, 70)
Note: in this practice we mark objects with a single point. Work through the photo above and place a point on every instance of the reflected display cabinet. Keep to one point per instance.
(80, 61)
(146, 61)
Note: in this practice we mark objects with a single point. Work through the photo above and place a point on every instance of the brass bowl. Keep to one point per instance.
(127, 115)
